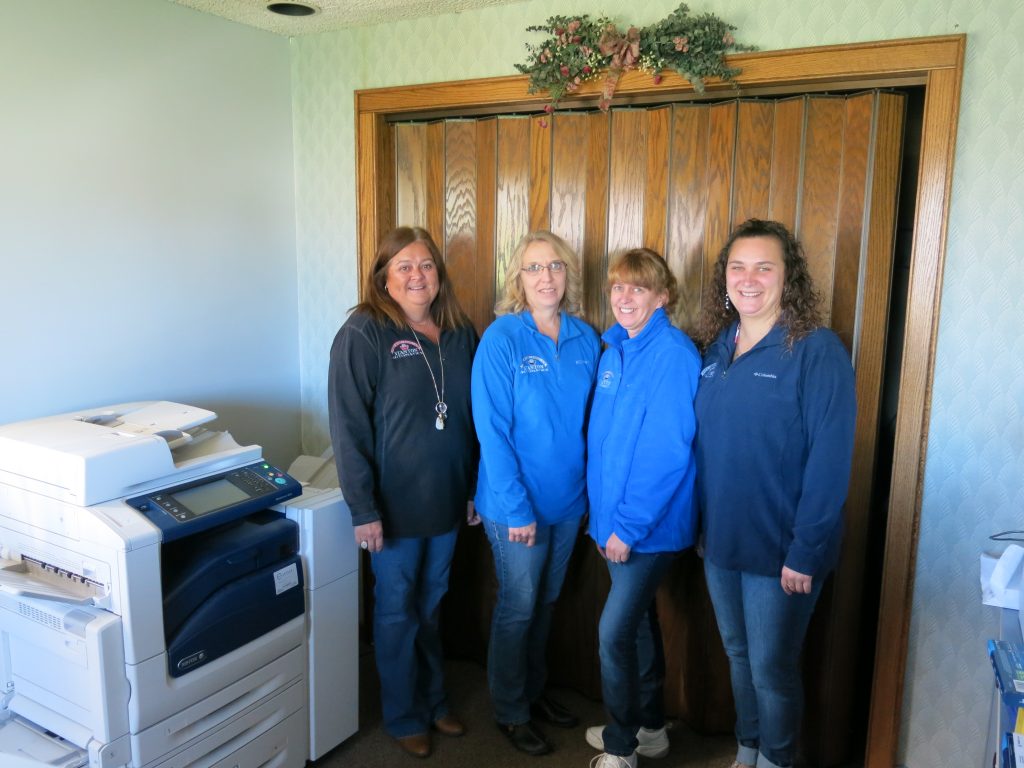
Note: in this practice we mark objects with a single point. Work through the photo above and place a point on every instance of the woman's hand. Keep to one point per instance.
(526, 534)
(370, 536)
(472, 518)
(794, 583)
(616, 550)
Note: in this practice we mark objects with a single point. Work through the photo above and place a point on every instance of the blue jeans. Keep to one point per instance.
(763, 631)
(632, 659)
(529, 580)
(412, 577)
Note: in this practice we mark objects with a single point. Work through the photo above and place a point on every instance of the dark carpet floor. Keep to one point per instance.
(484, 745)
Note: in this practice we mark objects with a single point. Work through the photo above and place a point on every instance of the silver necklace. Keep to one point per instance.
(441, 409)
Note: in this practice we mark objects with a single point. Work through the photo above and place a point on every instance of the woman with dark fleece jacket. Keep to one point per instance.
(775, 420)
(398, 396)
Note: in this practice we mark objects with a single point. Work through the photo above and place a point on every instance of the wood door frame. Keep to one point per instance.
(934, 62)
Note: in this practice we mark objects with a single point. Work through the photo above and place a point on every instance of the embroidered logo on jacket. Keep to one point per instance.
(533, 364)
(405, 348)
(763, 375)
(709, 371)
(605, 380)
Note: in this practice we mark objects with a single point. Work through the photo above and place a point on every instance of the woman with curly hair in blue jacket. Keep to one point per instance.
(776, 409)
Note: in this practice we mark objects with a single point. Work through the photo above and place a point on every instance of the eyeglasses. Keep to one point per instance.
(535, 269)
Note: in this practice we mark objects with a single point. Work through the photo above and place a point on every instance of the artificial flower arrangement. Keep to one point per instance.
(581, 49)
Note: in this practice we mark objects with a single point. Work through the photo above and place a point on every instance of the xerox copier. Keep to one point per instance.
(161, 603)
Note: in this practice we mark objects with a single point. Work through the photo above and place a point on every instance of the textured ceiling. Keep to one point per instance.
(332, 14)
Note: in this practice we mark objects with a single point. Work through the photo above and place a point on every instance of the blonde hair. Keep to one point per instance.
(646, 268)
(513, 300)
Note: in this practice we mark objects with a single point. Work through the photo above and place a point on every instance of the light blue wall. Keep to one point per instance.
(147, 231)
(975, 469)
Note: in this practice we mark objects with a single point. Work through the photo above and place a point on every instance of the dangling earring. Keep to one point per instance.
(728, 306)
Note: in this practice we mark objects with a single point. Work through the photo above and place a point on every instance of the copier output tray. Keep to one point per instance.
(24, 745)
(27, 578)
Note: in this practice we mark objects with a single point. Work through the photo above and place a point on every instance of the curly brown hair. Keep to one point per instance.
(801, 303)
(446, 310)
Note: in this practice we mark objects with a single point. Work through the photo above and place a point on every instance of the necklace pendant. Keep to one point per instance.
(439, 422)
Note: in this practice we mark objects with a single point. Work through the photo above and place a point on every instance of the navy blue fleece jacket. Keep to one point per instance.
(774, 445)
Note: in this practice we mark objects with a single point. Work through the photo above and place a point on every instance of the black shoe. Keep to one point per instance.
(526, 738)
(551, 712)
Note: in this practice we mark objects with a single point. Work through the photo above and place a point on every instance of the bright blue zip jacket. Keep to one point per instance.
(640, 468)
(774, 446)
(530, 400)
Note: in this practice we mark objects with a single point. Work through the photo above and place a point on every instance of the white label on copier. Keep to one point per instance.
(286, 578)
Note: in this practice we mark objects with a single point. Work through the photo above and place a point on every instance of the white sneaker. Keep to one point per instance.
(651, 743)
(604, 760)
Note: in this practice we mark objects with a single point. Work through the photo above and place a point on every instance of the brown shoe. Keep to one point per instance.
(449, 725)
(417, 745)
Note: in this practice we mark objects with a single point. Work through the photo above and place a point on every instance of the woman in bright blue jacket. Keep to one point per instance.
(532, 377)
(640, 479)
(776, 409)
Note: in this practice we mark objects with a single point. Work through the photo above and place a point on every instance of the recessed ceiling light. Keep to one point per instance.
(291, 9)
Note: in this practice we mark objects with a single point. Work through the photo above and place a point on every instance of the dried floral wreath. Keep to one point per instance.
(581, 49)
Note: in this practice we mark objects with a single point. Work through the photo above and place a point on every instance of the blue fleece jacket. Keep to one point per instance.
(640, 468)
(530, 399)
(774, 445)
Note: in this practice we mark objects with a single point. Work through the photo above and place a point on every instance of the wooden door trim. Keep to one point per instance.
(934, 62)
(833, 65)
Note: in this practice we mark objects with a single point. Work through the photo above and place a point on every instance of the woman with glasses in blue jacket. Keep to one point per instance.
(532, 377)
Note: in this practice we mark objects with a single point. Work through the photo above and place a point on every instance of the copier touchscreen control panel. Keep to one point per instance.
(201, 504)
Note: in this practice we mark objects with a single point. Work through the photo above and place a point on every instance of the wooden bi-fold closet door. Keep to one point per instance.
(676, 179)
